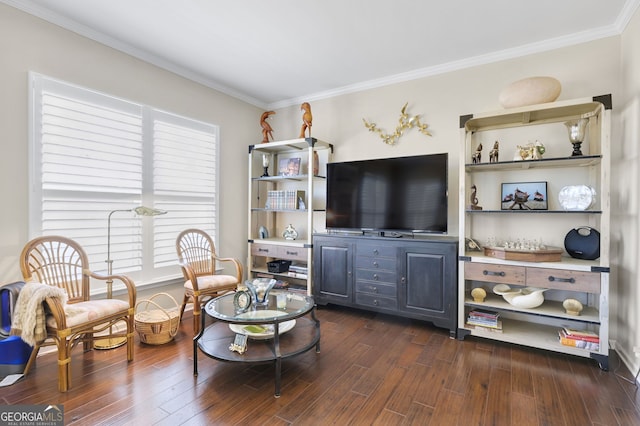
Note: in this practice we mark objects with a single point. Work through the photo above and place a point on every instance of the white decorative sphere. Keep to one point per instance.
(530, 91)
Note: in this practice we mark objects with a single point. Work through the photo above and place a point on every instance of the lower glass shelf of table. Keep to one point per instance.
(273, 333)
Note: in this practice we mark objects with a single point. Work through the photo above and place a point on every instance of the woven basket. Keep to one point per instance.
(157, 325)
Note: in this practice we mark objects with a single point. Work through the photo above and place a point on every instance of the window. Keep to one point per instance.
(95, 157)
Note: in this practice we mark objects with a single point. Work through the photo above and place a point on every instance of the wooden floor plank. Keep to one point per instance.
(372, 369)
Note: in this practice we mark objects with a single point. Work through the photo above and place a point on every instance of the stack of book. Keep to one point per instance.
(583, 339)
(485, 319)
(285, 199)
(298, 271)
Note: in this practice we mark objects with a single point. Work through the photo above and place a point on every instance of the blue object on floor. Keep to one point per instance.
(14, 353)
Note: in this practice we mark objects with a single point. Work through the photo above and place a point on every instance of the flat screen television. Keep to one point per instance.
(402, 194)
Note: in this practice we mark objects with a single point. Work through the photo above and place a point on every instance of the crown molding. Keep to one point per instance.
(498, 56)
(615, 29)
(84, 31)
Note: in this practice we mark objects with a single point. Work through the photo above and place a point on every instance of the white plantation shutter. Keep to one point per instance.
(185, 179)
(92, 154)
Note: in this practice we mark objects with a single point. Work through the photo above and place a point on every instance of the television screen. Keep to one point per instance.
(391, 194)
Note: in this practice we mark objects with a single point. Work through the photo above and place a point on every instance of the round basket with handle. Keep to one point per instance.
(155, 324)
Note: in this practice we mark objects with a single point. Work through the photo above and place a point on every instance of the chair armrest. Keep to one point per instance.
(237, 264)
(56, 308)
(189, 274)
(128, 282)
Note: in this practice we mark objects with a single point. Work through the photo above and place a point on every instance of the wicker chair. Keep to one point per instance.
(198, 258)
(61, 262)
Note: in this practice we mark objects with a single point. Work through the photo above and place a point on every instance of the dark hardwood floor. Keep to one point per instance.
(372, 369)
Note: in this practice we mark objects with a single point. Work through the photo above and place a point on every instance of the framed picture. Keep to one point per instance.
(524, 196)
(289, 166)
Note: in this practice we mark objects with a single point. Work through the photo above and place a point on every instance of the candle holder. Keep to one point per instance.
(576, 130)
(265, 165)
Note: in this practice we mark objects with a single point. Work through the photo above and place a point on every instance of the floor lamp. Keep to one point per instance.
(114, 342)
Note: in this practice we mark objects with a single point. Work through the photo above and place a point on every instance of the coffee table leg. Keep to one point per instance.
(313, 315)
(278, 362)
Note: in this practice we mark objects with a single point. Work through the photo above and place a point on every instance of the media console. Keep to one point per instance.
(410, 277)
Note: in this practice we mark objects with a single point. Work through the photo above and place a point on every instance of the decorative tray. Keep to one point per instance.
(261, 331)
(549, 254)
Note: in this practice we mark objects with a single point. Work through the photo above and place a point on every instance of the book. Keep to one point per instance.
(496, 329)
(586, 338)
(576, 343)
(483, 313)
(581, 334)
(497, 324)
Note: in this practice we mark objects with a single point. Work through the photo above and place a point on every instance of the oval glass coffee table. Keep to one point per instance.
(273, 333)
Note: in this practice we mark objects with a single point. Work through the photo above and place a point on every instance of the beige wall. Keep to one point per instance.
(610, 65)
(30, 44)
(625, 191)
(585, 70)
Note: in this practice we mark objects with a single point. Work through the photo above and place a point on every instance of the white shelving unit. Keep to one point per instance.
(584, 280)
(273, 216)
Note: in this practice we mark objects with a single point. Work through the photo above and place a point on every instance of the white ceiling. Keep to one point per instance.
(279, 53)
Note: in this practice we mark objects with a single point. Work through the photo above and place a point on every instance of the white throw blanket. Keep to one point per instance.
(29, 317)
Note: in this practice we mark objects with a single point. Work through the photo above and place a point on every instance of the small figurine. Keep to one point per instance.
(307, 118)
(474, 200)
(493, 154)
(477, 156)
(267, 131)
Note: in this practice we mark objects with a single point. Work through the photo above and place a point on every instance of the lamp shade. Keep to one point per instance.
(148, 211)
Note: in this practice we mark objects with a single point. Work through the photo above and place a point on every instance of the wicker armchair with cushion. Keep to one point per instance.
(61, 264)
(197, 257)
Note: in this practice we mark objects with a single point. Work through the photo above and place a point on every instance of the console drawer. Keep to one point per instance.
(268, 250)
(378, 263)
(377, 276)
(561, 279)
(292, 252)
(374, 250)
(489, 272)
(375, 288)
(376, 301)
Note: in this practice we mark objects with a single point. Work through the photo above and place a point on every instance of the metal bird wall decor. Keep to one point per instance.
(404, 123)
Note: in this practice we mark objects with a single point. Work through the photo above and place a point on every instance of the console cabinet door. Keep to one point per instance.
(426, 282)
(333, 271)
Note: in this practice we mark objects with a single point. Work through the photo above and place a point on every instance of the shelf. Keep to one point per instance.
(299, 144)
(536, 211)
(256, 209)
(537, 327)
(285, 193)
(549, 308)
(552, 112)
(296, 178)
(277, 274)
(532, 335)
(578, 161)
(281, 242)
(566, 262)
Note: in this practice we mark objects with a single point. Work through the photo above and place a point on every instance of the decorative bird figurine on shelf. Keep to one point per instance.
(307, 118)
(267, 131)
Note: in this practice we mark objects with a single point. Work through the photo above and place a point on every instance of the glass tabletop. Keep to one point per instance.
(224, 308)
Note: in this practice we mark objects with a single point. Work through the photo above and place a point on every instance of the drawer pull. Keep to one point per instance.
(375, 251)
(261, 250)
(292, 253)
(374, 289)
(375, 264)
(375, 277)
(562, 280)
(375, 302)
(499, 274)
